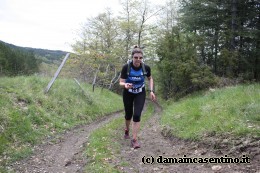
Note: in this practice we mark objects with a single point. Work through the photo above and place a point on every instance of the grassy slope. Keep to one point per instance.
(28, 115)
(230, 111)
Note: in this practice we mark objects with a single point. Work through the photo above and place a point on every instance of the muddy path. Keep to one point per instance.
(155, 147)
(64, 153)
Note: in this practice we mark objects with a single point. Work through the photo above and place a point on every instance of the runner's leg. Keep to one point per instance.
(128, 99)
(138, 107)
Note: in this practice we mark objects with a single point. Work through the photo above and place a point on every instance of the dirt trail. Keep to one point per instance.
(154, 144)
(65, 154)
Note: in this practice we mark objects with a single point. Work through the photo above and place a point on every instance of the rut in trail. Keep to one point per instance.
(64, 155)
(154, 144)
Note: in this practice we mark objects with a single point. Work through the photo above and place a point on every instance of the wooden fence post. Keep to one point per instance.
(56, 74)
(95, 78)
(105, 77)
(112, 81)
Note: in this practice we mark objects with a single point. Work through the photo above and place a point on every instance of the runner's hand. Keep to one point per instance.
(128, 85)
(152, 96)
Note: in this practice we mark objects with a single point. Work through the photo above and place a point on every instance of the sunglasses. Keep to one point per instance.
(136, 57)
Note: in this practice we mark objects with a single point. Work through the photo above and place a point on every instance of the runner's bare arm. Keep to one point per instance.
(152, 95)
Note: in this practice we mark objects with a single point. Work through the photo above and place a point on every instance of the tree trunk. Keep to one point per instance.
(216, 37)
(233, 23)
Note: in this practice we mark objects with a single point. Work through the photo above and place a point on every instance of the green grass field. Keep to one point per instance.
(233, 111)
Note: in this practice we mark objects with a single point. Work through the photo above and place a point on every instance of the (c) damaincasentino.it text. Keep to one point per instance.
(182, 160)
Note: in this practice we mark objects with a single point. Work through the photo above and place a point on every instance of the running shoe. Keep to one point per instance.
(135, 144)
(126, 134)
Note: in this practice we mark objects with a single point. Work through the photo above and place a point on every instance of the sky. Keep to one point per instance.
(48, 24)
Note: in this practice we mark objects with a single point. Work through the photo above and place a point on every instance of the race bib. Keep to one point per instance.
(135, 90)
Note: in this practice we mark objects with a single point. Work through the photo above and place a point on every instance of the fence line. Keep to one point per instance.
(89, 98)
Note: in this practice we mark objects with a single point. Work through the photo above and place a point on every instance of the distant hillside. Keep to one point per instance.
(45, 55)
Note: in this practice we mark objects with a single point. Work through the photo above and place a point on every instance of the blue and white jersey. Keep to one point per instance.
(137, 79)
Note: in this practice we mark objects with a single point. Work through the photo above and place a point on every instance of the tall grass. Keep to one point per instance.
(28, 115)
(233, 110)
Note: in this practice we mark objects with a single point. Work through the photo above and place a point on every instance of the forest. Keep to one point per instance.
(16, 60)
(191, 45)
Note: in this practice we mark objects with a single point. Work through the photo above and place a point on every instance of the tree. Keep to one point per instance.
(137, 26)
(180, 71)
(98, 46)
(169, 16)
(107, 40)
(225, 28)
(128, 26)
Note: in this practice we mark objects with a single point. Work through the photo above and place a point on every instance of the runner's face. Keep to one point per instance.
(137, 59)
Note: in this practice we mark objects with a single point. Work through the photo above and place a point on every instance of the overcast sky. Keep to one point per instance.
(48, 24)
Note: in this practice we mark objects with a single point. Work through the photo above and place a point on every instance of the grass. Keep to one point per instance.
(28, 115)
(233, 111)
(102, 148)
